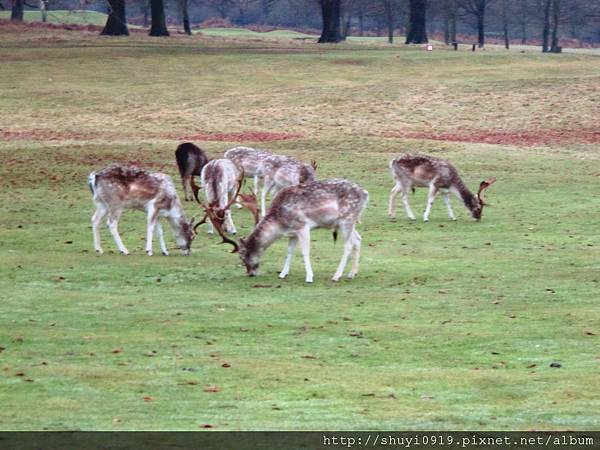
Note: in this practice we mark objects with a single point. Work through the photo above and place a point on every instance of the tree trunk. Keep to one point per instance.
(116, 23)
(389, 18)
(505, 23)
(524, 21)
(159, 23)
(186, 17)
(17, 10)
(546, 31)
(330, 10)
(555, 48)
(361, 21)
(417, 32)
(480, 29)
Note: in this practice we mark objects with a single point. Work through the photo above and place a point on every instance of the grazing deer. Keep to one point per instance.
(409, 171)
(117, 187)
(250, 160)
(190, 161)
(282, 171)
(220, 179)
(295, 210)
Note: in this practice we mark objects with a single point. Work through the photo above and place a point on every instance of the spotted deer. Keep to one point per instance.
(438, 175)
(294, 212)
(250, 160)
(220, 180)
(118, 187)
(283, 171)
(190, 161)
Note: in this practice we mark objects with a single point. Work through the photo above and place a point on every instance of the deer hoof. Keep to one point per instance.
(99, 251)
(351, 275)
(149, 253)
(335, 279)
(165, 253)
(282, 275)
(126, 253)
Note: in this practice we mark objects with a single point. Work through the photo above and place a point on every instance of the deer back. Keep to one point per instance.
(248, 159)
(190, 159)
(422, 169)
(219, 177)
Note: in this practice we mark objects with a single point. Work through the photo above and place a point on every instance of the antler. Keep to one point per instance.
(249, 202)
(483, 186)
(313, 163)
(233, 199)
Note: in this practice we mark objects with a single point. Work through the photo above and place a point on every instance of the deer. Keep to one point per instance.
(438, 175)
(331, 204)
(250, 160)
(190, 161)
(220, 179)
(118, 187)
(283, 171)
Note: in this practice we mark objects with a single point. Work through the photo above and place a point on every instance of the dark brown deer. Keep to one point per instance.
(331, 204)
(282, 171)
(190, 161)
(117, 187)
(438, 175)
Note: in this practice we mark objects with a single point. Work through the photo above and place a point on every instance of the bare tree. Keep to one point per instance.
(417, 31)
(158, 26)
(116, 23)
(477, 9)
(330, 11)
(17, 10)
(221, 6)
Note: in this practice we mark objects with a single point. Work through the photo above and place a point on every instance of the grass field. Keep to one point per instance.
(81, 17)
(449, 325)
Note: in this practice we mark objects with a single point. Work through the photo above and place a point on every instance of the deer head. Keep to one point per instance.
(217, 215)
(480, 197)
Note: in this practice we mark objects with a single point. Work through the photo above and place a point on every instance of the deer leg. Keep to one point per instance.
(256, 184)
(355, 255)
(288, 260)
(404, 193)
(449, 206)
(113, 222)
(187, 183)
(430, 198)
(263, 197)
(304, 241)
(392, 205)
(151, 224)
(347, 234)
(100, 213)
(161, 238)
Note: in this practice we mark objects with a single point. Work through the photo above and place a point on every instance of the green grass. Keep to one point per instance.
(449, 325)
(249, 34)
(81, 17)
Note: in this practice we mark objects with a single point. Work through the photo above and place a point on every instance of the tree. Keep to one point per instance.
(330, 12)
(185, 18)
(116, 23)
(417, 31)
(554, 47)
(17, 10)
(546, 30)
(450, 14)
(158, 26)
(347, 9)
(505, 23)
(477, 9)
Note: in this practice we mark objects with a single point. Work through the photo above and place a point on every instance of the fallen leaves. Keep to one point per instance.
(148, 399)
(212, 389)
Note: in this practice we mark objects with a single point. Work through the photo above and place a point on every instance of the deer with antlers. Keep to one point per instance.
(294, 212)
(283, 171)
(221, 181)
(118, 187)
(438, 175)
(250, 160)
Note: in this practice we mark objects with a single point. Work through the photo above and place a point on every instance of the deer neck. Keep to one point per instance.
(465, 194)
(265, 233)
